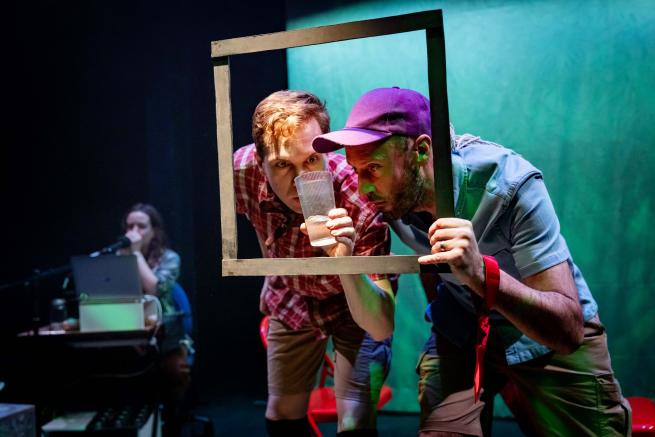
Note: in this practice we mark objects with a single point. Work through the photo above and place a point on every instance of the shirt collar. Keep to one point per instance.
(460, 179)
(423, 221)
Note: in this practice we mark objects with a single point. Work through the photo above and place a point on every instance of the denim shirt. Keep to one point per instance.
(513, 219)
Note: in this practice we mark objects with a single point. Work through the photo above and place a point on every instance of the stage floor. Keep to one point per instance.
(240, 416)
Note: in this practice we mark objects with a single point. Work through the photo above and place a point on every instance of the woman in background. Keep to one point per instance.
(159, 268)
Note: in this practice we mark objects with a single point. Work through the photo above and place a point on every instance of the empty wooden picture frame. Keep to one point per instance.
(432, 23)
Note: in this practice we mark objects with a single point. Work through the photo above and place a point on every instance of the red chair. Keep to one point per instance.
(322, 402)
(643, 416)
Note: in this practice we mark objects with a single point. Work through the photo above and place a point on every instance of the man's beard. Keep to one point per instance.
(409, 194)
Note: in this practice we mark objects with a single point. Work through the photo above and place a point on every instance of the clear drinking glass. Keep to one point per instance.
(316, 194)
(58, 314)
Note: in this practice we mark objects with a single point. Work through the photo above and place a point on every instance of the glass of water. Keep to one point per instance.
(58, 314)
(316, 193)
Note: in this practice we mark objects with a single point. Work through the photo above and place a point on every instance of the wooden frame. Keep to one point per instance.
(432, 23)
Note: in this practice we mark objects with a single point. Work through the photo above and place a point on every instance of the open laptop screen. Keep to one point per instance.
(107, 277)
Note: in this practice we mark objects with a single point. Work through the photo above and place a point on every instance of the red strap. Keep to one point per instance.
(480, 348)
(491, 284)
(491, 280)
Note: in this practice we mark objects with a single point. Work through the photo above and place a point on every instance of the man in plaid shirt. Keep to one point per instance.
(356, 310)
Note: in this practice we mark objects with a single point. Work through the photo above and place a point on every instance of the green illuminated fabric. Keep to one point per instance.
(570, 85)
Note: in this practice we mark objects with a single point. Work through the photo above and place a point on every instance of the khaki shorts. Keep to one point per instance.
(567, 395)
(295, 357)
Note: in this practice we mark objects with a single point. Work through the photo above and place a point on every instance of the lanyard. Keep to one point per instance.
(491, 284)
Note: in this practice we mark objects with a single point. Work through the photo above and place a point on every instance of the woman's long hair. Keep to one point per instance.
(159, 241)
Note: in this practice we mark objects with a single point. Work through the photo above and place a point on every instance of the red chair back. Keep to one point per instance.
(643, 416)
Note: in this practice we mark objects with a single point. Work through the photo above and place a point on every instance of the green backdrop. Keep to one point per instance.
(568, 84)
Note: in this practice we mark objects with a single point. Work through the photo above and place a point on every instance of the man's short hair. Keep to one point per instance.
(279, 115)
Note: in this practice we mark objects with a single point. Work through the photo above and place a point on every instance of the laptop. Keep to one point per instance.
(107, 278)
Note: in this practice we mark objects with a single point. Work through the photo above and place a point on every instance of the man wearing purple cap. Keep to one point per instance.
(307, 310)
(546, 350)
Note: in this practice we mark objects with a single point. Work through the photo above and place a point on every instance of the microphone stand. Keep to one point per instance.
(33, 282)
(33, 285)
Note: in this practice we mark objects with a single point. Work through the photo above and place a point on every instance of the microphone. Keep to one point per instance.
(119, 244)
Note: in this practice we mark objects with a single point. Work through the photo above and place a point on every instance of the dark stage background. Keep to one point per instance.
(111, 103)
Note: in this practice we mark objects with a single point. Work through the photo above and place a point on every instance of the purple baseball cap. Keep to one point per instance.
(377, 115)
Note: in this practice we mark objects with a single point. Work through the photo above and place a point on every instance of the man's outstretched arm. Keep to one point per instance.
(371, 303)
(545, 306)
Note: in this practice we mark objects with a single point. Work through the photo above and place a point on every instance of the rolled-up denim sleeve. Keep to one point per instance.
(535, 231)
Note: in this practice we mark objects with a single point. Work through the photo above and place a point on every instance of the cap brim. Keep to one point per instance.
(350, 136)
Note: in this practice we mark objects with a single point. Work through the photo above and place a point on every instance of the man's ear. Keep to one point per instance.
(423, 147)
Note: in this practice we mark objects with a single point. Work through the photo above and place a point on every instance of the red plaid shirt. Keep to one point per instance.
(316, 299)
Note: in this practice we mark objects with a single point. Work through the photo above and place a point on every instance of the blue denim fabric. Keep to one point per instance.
(371, 367)
(506, 200)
